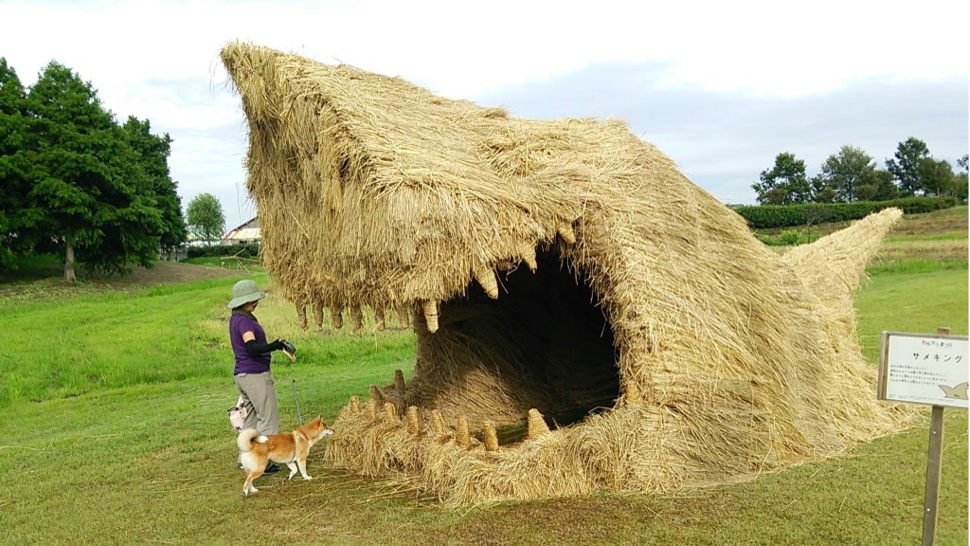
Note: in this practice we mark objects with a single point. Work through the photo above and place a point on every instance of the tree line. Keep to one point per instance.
(853, 175)
(80, 184)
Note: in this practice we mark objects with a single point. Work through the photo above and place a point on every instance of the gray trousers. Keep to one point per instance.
(259, 399)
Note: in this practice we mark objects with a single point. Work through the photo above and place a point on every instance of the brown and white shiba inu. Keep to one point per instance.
(291, 448)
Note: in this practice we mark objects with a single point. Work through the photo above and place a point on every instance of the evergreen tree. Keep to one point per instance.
(881, 187)
(15, 164)
(153, 152)
(822, 190)
(907, 164)
(960, 184)
(847, 171)
(98, 205)
(937, 177)
(784, 184)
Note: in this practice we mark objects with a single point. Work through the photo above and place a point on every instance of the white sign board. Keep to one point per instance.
(924, 369)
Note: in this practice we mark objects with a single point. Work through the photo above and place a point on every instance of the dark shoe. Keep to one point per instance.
(271, 468)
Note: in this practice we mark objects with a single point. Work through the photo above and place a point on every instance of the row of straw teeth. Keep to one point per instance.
(537, 424)
(485, 277)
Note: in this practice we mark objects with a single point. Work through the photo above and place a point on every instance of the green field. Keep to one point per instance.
(115, 432)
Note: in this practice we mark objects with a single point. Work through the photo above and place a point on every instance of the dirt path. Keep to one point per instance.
(161, 273)
(169, 272)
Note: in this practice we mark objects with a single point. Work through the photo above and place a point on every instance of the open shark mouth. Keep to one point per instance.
(544, 343)
(587, 319)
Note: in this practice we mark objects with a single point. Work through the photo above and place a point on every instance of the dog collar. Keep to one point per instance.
(300, 434)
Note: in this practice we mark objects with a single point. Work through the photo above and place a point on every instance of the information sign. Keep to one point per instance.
(924, 369)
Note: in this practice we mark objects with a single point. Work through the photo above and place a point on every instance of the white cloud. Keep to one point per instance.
(465, 48)
(158, 59)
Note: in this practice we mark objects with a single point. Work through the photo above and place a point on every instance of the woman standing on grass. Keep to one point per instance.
(253, 354)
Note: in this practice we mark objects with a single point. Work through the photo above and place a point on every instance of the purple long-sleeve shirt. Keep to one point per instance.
(239, 323)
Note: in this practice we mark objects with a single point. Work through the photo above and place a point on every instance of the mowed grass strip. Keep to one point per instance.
(924, 243)
(67, 346)
(152, 460)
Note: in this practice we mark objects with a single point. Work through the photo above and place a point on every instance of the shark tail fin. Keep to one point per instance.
(833, 267)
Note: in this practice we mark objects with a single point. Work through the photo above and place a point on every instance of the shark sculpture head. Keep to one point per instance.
(564, 269)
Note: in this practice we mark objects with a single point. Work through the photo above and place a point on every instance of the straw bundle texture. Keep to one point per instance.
(564, 265)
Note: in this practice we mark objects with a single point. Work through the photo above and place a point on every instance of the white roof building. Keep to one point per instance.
(246, 233)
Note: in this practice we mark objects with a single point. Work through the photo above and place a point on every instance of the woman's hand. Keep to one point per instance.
(288, 349)
(287, 346)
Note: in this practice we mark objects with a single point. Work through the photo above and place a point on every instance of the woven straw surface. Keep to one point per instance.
(556, 265)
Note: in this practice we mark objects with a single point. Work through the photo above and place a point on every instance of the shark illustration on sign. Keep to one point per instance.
(959, 391)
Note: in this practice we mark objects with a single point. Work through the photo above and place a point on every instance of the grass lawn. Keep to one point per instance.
(115, 432)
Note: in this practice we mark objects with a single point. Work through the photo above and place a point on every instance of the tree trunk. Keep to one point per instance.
(69, 264)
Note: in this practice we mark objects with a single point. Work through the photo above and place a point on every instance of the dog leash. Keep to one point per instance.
(296, 399)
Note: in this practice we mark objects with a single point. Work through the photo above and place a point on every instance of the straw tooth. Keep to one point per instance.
(379, 318)
(414, 421)
(632, 394)
(354, 404)
(486, 278)
(372, 408)
(390, 411)
(438, 423)
(301, 315)
(318, 315)
(336, 317)
(462, 437)
(529, 257)
(404, 317)
(377, 395)
(491, 437)
(430, 309)
(357, 318)
(399, 381)
(537, 425)
(567, 233)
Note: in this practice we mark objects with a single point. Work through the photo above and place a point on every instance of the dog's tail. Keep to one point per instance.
(245, 439)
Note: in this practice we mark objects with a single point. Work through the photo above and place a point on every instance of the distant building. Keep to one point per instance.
(246, 233)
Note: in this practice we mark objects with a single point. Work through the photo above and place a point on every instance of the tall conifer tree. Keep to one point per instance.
(98, 204)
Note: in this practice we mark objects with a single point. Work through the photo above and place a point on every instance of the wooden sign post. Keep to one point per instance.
(926, 369)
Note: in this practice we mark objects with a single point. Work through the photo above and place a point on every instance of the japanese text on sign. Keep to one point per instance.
(924, 369)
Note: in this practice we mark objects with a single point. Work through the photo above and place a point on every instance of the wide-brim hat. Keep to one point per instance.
(244, 292)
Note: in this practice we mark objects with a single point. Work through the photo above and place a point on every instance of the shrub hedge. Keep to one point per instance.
(791, 237)
(775, 216)
(243, 250)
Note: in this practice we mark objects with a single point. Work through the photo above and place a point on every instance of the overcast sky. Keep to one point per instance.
(720, 87)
